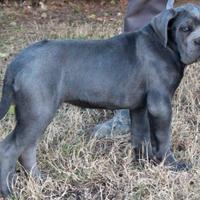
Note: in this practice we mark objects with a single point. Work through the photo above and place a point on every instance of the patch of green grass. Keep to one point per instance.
(67, 149)
(11, 110)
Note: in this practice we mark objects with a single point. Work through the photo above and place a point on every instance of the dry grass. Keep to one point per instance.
(78, 168)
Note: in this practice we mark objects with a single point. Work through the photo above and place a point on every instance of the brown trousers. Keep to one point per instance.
(140, 12)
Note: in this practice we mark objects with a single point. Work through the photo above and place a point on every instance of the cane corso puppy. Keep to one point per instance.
(139, 71)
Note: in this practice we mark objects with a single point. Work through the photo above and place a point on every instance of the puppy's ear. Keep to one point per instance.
(160, 24)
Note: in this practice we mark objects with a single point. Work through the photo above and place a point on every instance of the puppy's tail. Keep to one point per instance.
(7, 97)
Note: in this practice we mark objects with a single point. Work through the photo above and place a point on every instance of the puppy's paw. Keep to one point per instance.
(6, 187)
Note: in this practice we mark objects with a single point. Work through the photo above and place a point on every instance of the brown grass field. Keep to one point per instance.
(78, 168)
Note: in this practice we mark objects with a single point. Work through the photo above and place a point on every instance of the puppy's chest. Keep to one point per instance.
(163, 78)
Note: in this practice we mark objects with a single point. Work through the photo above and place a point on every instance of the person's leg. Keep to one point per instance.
(138, 14)
(118, 125)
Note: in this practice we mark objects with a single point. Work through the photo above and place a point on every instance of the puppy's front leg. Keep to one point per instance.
(159, 112)
(140, 133)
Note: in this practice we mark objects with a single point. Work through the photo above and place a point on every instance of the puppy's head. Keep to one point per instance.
(181, 27)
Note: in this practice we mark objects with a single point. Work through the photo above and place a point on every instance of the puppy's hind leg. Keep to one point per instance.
(35, 130)
(33, 114)
(28, 160)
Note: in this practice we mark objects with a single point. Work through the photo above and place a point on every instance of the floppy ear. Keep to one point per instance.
(160, 24)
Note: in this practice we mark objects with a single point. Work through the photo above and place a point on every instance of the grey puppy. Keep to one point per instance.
(139, 71)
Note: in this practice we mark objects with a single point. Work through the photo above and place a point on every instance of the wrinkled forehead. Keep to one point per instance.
(191, 9)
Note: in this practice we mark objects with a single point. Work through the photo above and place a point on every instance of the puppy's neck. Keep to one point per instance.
(171, 47)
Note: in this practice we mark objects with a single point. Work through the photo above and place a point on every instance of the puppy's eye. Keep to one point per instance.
(186, 29)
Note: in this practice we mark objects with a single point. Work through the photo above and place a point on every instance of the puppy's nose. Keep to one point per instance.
(197, 41)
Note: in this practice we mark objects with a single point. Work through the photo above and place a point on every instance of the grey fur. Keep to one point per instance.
(139, 71)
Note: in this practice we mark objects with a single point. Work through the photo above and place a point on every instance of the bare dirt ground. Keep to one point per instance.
(78, 168)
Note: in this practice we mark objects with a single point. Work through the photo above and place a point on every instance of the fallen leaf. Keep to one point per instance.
(44, 15)
(43, 6)
(92, 16)
(113, 2)
(13, 23)
(3, 55)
